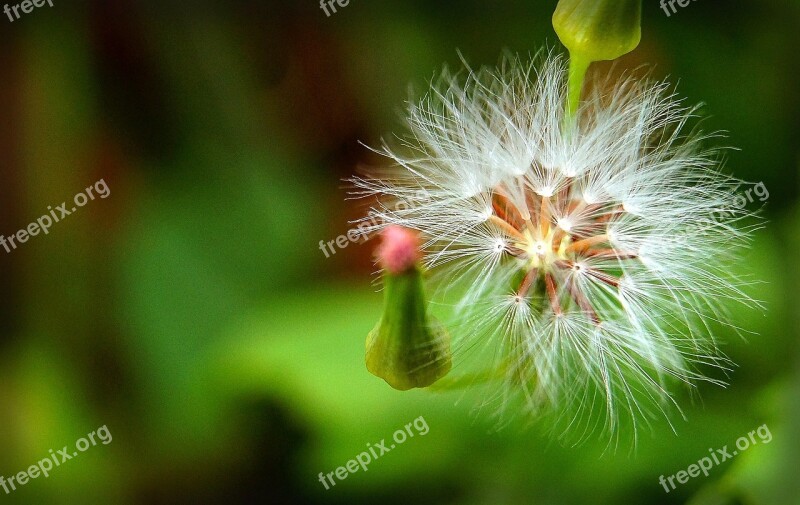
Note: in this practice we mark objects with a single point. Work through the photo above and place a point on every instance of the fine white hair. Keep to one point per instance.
(583, 259)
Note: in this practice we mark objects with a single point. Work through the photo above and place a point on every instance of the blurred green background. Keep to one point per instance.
(193, 313)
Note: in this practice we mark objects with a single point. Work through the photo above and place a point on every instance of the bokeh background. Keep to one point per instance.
(193, 313)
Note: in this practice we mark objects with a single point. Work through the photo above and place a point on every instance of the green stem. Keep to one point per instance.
(462, 382)
(577, 72)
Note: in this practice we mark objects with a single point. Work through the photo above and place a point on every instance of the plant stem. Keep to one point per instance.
(577, 72)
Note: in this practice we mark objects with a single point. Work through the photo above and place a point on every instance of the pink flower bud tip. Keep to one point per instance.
(399, 250)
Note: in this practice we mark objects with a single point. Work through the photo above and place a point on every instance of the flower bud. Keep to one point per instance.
(597, 30)
(407, 348)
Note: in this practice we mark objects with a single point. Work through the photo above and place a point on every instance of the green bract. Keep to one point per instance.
(407, 348)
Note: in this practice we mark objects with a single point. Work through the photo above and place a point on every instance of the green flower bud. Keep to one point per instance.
(597, 30)
(408, 349)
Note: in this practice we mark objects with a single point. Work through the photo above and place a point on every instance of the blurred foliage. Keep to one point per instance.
(193, 313)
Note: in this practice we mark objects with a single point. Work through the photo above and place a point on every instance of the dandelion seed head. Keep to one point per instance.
(589, 265)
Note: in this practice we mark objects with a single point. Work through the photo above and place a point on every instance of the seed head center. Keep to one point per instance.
(543, 250)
